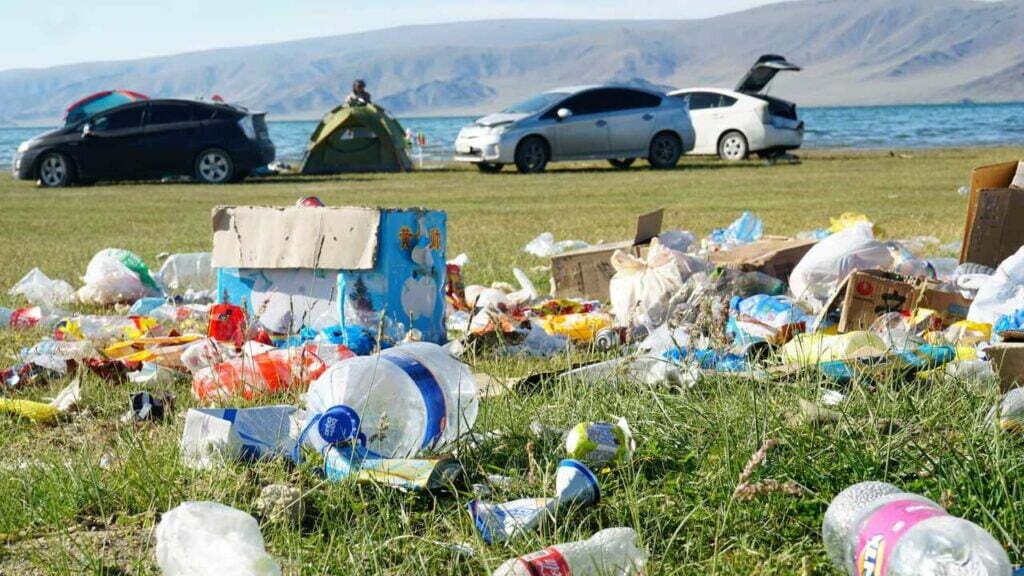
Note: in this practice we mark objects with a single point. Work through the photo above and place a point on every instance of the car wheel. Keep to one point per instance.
(532, 155)
(55, 170)
(665, 151)
(489, 167)
(214, 166)
(621, 163)
(733, 147)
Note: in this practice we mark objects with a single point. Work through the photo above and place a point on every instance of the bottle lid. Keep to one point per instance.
(338, 424)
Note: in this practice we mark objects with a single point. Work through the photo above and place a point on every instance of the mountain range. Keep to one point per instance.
(853, 52)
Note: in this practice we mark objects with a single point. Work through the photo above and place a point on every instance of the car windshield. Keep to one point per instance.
(536, 104)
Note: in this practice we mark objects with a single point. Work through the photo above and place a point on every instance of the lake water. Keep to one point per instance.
(917, 126)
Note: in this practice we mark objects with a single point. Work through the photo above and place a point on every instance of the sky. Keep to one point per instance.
(35, 34)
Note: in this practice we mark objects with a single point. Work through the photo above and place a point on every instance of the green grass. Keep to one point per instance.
(62, 513)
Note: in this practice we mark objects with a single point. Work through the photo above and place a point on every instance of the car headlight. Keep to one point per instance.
(24, 146)
(499, 129)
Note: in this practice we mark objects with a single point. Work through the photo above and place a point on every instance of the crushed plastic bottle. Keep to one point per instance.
(397, 403)
(610, 552)
(211, 539)
(214, 435)
(876, 529)
(254, 375)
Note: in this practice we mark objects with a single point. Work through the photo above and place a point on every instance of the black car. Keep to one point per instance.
(212, 142)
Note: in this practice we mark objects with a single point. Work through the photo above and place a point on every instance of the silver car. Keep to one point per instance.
(614, 123)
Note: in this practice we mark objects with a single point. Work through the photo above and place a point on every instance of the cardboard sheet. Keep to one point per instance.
(775, 256)
(994, 228)
(296, 237)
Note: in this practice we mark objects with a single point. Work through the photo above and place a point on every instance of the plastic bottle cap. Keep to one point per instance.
(338, 424)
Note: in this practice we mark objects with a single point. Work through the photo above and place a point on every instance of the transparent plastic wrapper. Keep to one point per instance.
(211, 539)
(405, 400)
(544, 245)
(216, 435)
(642, 288)
(55, 354)
(610, 552)
(1002, 293)
(114, 276)
(40, 290)
(600, 443)
(187, 272)
(828, 263)
(876, 529)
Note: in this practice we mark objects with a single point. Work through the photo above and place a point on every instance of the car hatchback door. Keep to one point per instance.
(631, 120)
(585, 132)
(171, 134)
(112, 143)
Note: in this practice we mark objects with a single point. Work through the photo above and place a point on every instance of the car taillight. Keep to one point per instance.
(247, 127)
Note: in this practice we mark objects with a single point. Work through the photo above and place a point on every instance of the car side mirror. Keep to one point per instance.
(87, 130)
(564, 113)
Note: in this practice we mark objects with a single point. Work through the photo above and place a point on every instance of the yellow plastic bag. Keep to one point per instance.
(577, 327)
(38, 411)
(811, 349)
(845, 220)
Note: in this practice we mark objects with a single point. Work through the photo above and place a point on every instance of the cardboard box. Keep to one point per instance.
(587, 272)
(776, 256)
(867, 294)
(1008, 360)
(995, 215)
(317, 267)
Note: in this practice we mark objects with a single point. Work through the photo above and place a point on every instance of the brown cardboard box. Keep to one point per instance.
(867, 294)
(995, 216)
(587, 272)
(776, 256)
(1008, 360)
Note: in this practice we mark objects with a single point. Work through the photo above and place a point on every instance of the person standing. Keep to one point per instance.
(359, 95)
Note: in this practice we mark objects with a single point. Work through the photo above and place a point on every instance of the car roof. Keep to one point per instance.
(585, 87)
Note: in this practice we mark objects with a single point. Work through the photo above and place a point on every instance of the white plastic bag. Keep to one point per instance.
(108, 281)
(181, 273)
(640, 289)
(829, 262)
(211, 539)
(40, 290)
(1001, 293)
(544, 245)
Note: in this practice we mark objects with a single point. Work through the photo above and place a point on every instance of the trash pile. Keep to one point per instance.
(358, 312)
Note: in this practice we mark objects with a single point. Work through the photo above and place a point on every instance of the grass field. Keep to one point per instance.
(62, 512)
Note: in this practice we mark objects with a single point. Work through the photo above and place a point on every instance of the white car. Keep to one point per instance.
(735, 123)
(614, 123)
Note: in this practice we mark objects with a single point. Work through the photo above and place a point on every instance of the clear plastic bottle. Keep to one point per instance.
(610, 552)
(397, 403)
(876, 529)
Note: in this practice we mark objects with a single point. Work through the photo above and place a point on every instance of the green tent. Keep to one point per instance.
(356, 139)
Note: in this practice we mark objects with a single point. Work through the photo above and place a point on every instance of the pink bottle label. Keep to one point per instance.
(884, 529)
(548, 562)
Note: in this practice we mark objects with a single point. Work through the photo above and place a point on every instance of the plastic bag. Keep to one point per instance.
(114, 276)
(747, 228)
(182, 273)
(810, 349)
(847, 220)
(641, 289)
(544, 246)
(678, 240)
(40, 290)
(211, 539)
(828, 263)
(1001, 294)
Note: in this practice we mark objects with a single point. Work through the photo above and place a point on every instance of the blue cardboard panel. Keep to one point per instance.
(407, 284)
(283, 301)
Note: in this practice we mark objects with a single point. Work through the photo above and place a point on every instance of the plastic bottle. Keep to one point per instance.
(406, 399)
(876, 529)
(610, 552)
(254, 375)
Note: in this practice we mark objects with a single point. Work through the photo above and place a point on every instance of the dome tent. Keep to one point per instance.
(356, 139)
